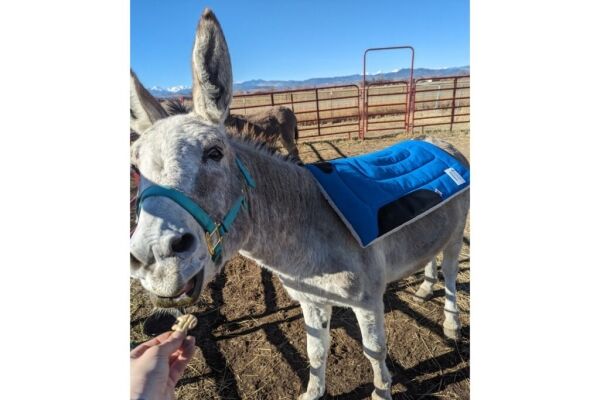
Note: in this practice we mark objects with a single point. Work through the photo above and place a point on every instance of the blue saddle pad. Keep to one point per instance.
(376, 194)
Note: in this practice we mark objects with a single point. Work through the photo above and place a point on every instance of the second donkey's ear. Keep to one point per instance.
(144, 109)
(212, 82)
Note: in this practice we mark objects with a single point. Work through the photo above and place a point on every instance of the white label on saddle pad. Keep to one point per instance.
(455, 176)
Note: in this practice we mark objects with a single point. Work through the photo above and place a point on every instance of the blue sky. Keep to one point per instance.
(298, 40)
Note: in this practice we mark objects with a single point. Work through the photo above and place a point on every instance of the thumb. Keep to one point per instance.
(173, 343)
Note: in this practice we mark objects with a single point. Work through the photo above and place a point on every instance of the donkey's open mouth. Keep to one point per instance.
(188, 295)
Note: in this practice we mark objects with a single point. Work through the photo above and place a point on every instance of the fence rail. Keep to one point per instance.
(451, 93)
(379, 107)
(320, 111)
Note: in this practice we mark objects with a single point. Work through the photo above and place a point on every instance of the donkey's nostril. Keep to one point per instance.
(182, 243)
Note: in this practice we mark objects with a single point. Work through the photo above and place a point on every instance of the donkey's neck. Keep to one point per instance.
(286, 207)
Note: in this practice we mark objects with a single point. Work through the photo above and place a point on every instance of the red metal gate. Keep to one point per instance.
(386, 105)
(364, 114)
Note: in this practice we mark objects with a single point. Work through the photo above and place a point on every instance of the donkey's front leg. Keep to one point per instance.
(316, 321)
(373, 339)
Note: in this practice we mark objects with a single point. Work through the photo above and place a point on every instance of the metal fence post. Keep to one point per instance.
(453, 104)
(292, 96)
(411, 105)
(318, 116)
(365, 111)
(361, 112)
(414, 105)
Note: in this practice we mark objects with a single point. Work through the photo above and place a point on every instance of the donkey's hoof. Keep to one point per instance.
(422, 296)
(452, 333)
(379, 394)
(422, 299)
(309, 396)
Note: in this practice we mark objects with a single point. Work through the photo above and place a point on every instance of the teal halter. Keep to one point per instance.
(213, 231)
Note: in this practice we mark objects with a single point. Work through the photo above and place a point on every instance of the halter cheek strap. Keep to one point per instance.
(213, 231)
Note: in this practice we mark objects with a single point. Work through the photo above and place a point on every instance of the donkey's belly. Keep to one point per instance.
(400, 270)
(344, 288)
(311, 292)
(408, 250)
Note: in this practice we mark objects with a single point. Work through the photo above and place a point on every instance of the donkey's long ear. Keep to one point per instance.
(211, 69)
(144, 109)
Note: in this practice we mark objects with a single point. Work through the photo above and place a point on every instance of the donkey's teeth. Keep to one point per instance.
(188, 287)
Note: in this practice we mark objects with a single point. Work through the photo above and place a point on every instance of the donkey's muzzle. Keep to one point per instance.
(186, 299)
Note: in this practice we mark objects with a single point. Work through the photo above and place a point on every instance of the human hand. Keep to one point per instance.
(157, 365)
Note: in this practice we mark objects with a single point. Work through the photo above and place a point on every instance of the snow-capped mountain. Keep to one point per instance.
(263, 85)
(171, 91)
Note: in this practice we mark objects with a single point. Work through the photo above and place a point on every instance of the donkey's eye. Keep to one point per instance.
(214, 153)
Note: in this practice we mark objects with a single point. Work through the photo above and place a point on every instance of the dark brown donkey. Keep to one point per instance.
(267, 126)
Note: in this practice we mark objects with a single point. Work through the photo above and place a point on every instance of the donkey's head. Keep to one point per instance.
(190, 178)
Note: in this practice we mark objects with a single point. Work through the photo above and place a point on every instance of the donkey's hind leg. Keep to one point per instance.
(450, 270)
(316, 320)
(425, 291)
(373, 339)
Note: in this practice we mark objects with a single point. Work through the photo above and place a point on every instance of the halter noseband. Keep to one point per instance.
(213, 231)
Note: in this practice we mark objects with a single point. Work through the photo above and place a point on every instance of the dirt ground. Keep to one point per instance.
(251, 342)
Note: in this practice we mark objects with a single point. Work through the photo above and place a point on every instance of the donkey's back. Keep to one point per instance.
(268, 125)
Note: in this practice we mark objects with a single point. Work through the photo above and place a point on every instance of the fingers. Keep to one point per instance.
(141, 348)
(178, 364)
(184, 350)
(171, 344)
(188, 348)
(168, 346)
(163, 336)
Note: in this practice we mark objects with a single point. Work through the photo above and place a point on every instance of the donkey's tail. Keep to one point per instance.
(296, 132)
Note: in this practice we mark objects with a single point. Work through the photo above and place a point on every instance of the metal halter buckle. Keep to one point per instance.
(210, 241)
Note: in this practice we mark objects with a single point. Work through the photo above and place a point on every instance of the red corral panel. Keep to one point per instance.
(381, 107)
(441, 101)
(320, 111)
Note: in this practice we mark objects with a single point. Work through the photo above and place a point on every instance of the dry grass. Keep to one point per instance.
(251, 339)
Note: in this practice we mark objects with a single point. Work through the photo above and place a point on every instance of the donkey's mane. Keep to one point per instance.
(174, 107)
(260, 146)
(241, 124)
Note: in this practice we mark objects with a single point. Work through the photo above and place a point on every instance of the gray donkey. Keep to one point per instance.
(267, 125)
(193, 175)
